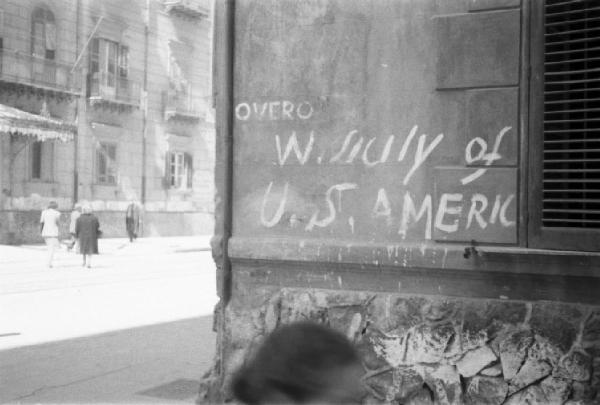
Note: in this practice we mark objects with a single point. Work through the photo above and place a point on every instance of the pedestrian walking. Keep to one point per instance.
(76, 213)
(132, 220)
(87, 230)
(301, 363)
(49, 229)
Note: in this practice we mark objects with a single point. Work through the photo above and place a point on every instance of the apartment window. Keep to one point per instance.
(106, 163)
(41, 157)
(43, 34)
(179, 170)
(565, 200)
(108, 65)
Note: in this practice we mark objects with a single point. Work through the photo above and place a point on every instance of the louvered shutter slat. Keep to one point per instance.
(571, 126)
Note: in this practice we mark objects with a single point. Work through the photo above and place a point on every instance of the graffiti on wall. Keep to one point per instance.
(465, 208)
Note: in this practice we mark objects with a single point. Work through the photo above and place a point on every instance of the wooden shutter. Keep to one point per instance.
(167, 174)
(567, 87)
(188, 162)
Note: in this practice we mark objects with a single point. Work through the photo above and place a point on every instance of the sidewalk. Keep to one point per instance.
(135, 328)
(110, 246)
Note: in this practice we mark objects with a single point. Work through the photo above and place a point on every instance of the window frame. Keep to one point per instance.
(540, 237)
(42, 17)
(99, 64)
(177, 170)
(110, 163)
(179, 175)
(44, 152)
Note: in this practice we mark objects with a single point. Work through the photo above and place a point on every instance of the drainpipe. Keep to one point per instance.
(223, 37)
(145, 101)
(76, 137)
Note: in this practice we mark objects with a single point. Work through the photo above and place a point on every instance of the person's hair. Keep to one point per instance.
(295, 360)
(53, 205)
(86, 209)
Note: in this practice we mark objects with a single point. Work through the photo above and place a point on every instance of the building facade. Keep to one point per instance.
(134, 80)
(425, 182)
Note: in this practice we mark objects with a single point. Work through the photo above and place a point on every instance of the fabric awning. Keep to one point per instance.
(42, 128)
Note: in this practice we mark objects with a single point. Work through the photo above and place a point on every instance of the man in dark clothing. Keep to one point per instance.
(132, 221)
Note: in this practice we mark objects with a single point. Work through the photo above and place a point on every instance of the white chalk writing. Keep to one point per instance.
(402, 207)
(274, 111)
(487, 158)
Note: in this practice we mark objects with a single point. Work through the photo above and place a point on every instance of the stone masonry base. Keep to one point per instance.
(425, 350)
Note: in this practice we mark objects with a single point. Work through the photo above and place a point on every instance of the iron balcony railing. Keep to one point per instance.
(21, 68)
(184, 105)
(109, 87)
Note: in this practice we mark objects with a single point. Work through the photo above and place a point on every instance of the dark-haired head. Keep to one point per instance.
(301, 363)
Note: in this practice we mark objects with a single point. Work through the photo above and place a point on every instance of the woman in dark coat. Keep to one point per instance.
(87, 230)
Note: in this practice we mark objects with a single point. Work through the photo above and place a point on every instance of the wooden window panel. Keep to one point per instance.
(564, 199)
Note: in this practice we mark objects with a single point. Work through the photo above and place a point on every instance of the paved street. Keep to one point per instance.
(135, 328)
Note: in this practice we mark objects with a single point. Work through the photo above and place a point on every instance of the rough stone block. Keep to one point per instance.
(513, 350)
(383, 384)
(445, 383)
(480, 49)
(272, 313)
(582, 392)
(398, 314)
(427, 344)
(345, 298)
(344, 318)
(493, 371)
(440, 311)
(590, 339)
(369, 348)
(530, 372)
(543, 350)
(595, 381)
(424, 396)
(556, 390)
(491, 316)
(575, 366)
(533, 394)
(301, 305)
(557, 322)
(486, 391)
(391, 348)
(243, 329)
(408, 384)
(475, 360)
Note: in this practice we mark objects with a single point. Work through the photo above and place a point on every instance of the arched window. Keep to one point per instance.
(43, 33)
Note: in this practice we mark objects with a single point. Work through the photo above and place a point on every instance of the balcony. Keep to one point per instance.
(180, 106)
(109, 91)
(26, 73)
(194, 9)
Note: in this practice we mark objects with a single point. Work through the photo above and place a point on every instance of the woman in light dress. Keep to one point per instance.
(49, 228)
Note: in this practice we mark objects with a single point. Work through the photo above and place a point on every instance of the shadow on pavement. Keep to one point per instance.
(160, 363)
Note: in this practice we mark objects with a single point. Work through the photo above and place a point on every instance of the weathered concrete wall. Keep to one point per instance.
(425, 349)
(377, 183)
